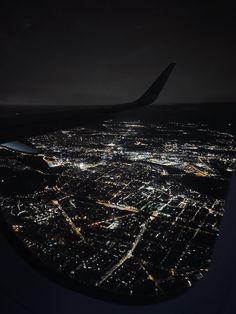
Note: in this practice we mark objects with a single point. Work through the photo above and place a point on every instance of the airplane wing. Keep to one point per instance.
(19, 122)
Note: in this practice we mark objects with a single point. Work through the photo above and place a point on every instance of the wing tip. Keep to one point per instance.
(155, 89)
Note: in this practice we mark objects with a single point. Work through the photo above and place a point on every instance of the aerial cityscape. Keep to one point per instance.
(129, 208)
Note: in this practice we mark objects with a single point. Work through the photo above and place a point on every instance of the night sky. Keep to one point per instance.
(96, 52)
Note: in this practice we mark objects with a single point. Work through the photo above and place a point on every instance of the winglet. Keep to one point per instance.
(153, 92)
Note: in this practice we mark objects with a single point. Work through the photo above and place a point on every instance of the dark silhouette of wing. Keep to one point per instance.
(22, 121)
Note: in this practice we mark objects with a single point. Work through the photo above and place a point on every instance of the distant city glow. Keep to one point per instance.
(130, 208)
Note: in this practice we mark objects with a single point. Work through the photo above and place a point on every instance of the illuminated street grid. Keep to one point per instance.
(128, 207)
